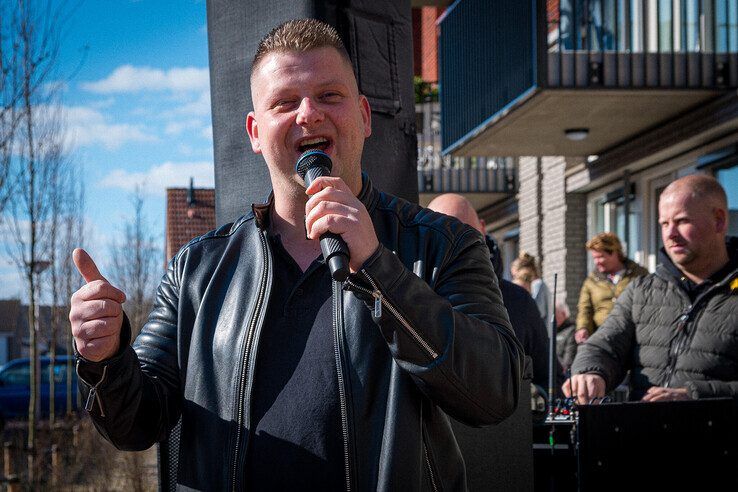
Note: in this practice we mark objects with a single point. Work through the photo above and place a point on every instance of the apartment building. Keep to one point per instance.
(600, 104)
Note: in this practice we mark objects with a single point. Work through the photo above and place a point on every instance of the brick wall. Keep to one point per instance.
(553, 224)
(425, 42)
(563, 232)
(552, 9)
(529, 205)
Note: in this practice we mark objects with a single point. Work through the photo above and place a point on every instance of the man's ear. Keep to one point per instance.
(721, 220)
(252, 128)
(366, 115)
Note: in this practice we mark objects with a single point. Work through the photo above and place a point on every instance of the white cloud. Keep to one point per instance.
(207, 132)
(198, 107)
(11, 283)
(128, 78)
(88, 126)
(177, 127)
(167, 175)
(103, 103)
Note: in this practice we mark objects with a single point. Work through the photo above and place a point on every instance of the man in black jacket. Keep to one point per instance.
(283, 378)
(675, 329)
(522, 309)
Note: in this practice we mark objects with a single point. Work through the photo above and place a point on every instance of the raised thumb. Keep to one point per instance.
(86, 266)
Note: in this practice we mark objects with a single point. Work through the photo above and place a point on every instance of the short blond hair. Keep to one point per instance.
(701, 187)
(606, 242)
(299, 35)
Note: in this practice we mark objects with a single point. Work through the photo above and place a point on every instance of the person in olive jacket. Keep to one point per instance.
(676, 330)
(612, 274)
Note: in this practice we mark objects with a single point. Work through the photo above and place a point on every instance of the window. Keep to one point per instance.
(609, 215)
(728, 177)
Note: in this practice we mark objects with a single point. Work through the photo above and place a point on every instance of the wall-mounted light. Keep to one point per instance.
(576, 134)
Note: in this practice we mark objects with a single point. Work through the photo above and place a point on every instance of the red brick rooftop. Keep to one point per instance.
(186, 221)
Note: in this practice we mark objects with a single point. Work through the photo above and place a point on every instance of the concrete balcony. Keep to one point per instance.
(518, 76)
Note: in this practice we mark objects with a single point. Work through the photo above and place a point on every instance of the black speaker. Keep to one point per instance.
(500, 457)
(661, 446)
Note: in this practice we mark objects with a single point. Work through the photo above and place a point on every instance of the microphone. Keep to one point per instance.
(313, 164)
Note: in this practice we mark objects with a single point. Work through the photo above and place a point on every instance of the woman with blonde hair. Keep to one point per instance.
(525, 273)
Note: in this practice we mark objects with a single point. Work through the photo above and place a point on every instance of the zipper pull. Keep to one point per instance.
(93, 395)
(90, 399)
(377, 304)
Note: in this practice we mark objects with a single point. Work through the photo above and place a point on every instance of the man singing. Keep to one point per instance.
(284, 378)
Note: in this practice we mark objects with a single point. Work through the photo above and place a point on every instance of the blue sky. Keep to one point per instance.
(138, 109)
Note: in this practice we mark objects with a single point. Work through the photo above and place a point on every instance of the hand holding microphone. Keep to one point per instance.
(336, 216)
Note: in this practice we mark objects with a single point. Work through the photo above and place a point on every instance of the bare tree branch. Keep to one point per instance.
(136, 264)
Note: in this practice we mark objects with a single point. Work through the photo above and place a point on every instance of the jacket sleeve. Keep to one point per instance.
(454, 339)
(570, 350)
(712, 389)
(585, 309)
(608, 351)
(135, 395)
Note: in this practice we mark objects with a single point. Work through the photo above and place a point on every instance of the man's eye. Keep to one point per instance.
(284, 104)
(330, 96)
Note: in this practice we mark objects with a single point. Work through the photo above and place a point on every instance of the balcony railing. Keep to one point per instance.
(496, 55)
(645, 43)
(469, 175)
(446, 174)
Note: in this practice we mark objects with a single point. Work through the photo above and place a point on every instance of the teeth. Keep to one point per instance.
(312, 141)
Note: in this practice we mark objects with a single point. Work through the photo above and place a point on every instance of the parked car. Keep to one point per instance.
(15, 387)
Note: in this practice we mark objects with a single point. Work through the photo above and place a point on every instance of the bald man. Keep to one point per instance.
(521, 308)
(676, 330)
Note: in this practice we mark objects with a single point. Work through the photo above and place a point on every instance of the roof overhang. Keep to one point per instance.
(535, 123)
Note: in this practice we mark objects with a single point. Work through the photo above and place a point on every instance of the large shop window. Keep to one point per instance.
(610, 213)
(728, 177)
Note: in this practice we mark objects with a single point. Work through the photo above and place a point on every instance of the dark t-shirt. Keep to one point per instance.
(295, 442)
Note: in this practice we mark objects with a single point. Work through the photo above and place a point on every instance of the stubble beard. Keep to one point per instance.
(683, 259)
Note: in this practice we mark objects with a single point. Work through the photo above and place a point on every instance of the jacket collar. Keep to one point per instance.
(668, 270)
(368, 196)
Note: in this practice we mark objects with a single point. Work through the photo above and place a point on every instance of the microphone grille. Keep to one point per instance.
(310, 159)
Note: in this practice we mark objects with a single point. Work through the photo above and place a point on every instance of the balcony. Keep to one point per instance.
(482, 180)
(517, 76)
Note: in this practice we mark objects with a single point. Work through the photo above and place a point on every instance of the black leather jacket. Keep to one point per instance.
(420, 332)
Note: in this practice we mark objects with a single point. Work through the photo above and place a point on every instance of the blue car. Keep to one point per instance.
(15, 388)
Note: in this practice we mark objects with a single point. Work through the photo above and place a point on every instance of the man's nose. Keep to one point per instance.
(671, 230)
(308, 113)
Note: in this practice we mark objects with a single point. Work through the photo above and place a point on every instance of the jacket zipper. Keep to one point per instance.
(428, 464)
(245, 365)
(337, 343)
(674, 349)
(93, 396)
(380, 301)
(684, 334)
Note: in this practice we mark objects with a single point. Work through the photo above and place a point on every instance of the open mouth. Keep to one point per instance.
(317, 143)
